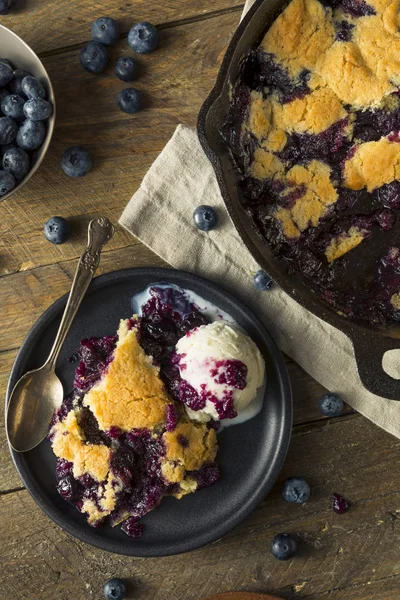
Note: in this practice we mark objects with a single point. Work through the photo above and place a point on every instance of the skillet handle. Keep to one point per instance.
(369, 354)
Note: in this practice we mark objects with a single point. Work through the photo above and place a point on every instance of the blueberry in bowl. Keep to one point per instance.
(24, 141)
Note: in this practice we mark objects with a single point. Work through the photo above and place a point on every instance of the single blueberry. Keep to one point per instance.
(7, 182)
(143, 38)
(296, 489)
(106, 31)
(262, 281)
(38, 109)
(15, 85)
(5, 6)
(6, 73)
(205, 217)
(13, 106)
(331, 405)
(57, 230)
(339, 504)
(283, 546)
(76, 161)
(94, 57)
(31, 135)
(16, 162)
(115, 589)
(130, 100)
(32, 87)
(126, 68)
(8, 130)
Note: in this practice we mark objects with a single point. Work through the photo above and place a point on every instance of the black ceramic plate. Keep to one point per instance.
(250, 455)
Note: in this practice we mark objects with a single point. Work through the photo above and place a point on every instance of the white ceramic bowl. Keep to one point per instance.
(23, 57)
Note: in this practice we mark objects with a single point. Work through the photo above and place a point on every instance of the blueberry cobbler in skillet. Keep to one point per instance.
(314, 130)
(123, 438)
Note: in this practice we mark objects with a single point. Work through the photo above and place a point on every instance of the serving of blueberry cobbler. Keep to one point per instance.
(122, 438)
(314, 130)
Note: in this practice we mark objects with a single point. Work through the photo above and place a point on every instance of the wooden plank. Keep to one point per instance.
(353, 556)
(176, 82)
(61, 23)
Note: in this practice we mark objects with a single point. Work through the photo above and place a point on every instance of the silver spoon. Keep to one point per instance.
(39, 392)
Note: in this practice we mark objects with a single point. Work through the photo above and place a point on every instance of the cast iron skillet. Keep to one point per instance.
(370, 343)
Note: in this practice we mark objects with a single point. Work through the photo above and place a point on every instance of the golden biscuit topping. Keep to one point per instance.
(131, 395)
(372, 165)
(343, 244)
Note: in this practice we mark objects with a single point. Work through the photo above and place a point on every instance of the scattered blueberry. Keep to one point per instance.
(130, 100)
(13, 106)
(296, 490)
(57, 230)
(283, 546)
(8, 130)
(76, 161)
(5, 6)
(106, 31)
(16, 162)
(339, 504)
(94, 57)
(126, 68)
(115, 589)
(38, 109)
(15, 85)
(143, 38)
(262, 281)
(32, 88)
(31, 135)
(205, 217)
(7, 182)
(331, 405)
(6, 72)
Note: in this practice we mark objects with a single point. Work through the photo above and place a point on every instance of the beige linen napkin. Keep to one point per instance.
(160, 215)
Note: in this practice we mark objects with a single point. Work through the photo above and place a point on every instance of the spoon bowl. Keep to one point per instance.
(35, 398)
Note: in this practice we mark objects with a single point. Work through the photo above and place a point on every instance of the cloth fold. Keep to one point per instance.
(160, 214)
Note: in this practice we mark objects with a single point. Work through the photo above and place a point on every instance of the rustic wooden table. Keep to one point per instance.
(354, 556)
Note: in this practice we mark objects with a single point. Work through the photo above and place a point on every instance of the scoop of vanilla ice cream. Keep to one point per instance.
(224, 366)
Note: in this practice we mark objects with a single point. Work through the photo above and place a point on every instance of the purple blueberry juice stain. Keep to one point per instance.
(171, 417)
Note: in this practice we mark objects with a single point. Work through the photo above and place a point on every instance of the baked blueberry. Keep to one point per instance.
(130, 100)
(38, 109)
(143, 38)
(296, 489)
(7, 182)
(94, 57)
(15, 85)
(31, 135)
(339, 504)
(262, 281)
(76, 161)
(16, 162)
(6, 73)
(5, 6)
(57, 230)
(106, 31)
(13, 106)
(32, 87)
(8, 130)
(331, 404)
(283, 546)
(126, 68)
(115, 589)
(205, 217)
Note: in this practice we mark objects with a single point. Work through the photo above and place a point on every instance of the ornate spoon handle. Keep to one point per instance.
(100, 231)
